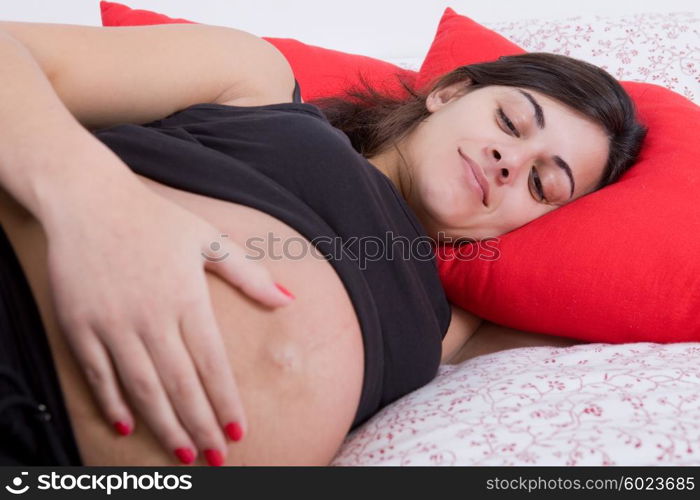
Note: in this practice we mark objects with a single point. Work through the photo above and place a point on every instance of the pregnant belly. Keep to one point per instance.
(299, 368)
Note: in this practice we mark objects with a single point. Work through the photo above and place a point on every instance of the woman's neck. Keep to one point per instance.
(391, 163)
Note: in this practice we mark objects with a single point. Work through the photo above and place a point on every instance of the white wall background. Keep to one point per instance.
(379, 28)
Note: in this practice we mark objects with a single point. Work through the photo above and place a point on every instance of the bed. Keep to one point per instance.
(589, 404)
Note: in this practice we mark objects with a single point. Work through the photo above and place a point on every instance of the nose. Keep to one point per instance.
(508, 162)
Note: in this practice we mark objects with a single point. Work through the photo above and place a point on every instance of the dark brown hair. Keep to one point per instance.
(375, 120)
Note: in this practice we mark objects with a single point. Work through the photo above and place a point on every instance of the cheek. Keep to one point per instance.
(516, 213)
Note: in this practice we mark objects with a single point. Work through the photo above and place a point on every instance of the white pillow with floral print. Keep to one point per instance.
(663, 49)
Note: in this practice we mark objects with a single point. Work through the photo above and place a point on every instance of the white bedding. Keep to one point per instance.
(589, 404)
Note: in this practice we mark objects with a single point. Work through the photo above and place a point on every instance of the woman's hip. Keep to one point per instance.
(34, 426)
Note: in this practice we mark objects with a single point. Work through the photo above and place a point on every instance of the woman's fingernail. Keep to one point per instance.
(185, 455)
(285, 291)
(214, 457)
(122, 428)
(234, 431)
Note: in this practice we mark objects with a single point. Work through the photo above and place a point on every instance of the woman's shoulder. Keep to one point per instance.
(263, 106)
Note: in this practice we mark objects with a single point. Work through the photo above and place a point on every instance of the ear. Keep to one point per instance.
(439, 97)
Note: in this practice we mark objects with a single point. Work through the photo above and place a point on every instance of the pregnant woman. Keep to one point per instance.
(185, 242)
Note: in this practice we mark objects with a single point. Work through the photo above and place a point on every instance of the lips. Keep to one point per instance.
(480, 177)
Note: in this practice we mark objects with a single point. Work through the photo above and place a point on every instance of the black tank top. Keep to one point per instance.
(289, 162)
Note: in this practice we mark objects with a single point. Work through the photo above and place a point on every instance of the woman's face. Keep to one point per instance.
(530, 153)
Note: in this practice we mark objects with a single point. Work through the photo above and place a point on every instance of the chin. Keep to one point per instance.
(448, 233)
(446, 211)
(468, 233)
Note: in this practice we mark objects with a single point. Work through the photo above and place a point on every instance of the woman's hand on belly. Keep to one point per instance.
(132, 300)
(299, 369)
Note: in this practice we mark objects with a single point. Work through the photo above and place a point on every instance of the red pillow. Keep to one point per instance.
(619, 265)
(320, 72)
(458, 38)
(116, 14)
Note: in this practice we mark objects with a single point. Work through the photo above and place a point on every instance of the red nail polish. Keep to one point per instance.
(234, 431)
(214, 457)
(185, 455)
(122, 428)
(285, 291)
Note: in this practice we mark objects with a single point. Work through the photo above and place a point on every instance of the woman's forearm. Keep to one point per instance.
(490, 337)
(44, 150)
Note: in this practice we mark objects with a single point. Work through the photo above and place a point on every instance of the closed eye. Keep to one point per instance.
(508, 123)
(537, 182)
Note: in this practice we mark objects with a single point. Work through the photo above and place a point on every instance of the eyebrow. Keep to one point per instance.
(539, 119)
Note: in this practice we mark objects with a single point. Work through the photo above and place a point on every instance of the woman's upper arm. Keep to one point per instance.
(137, 74)
(462, 326)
